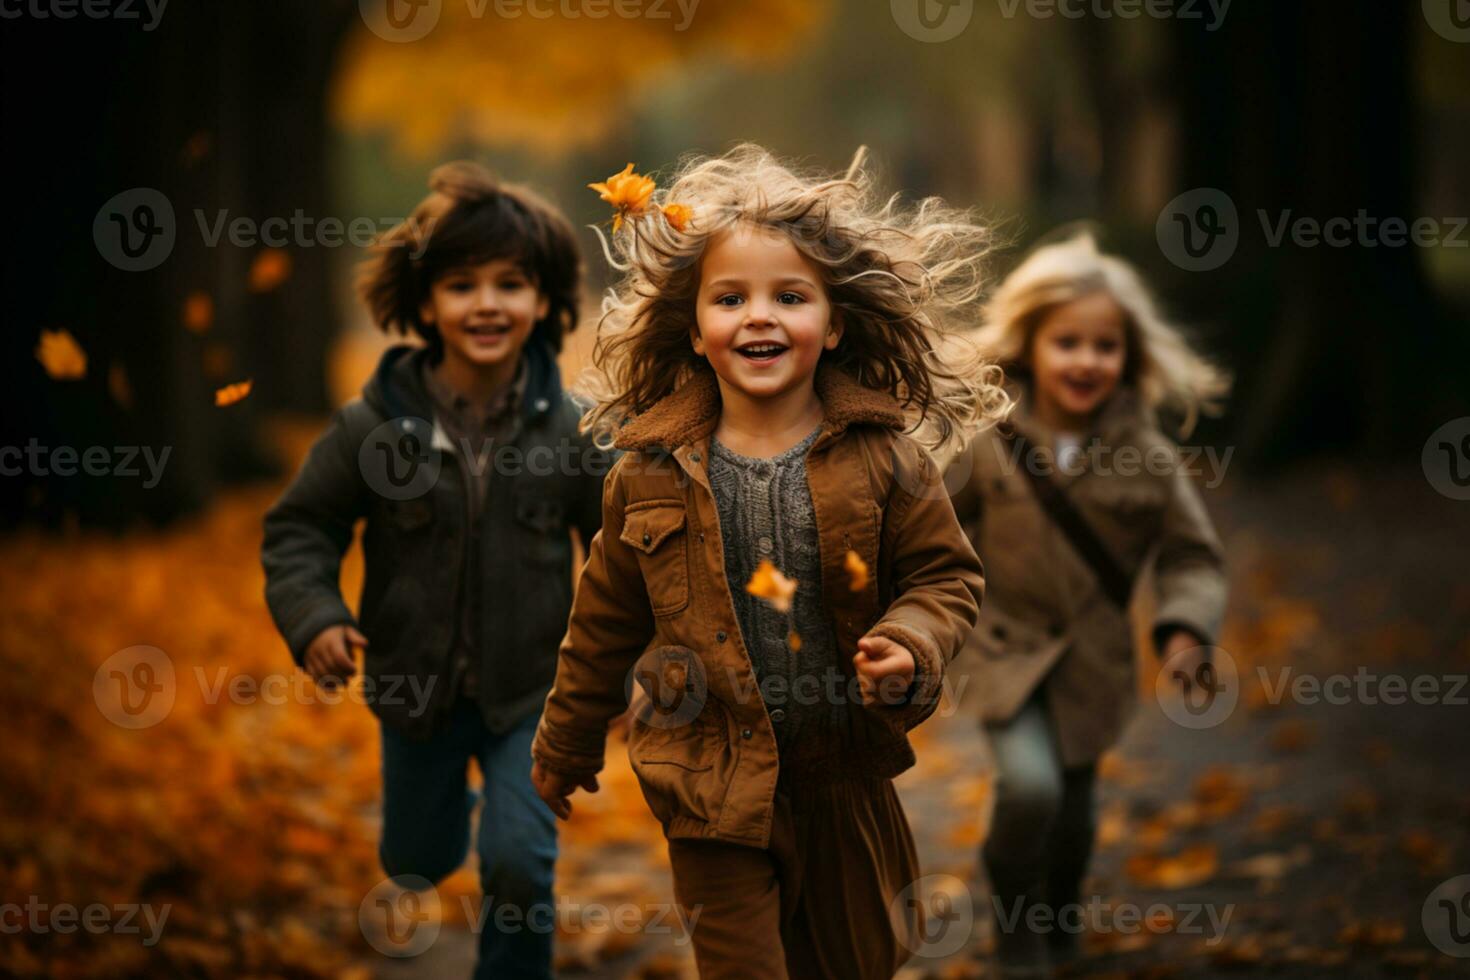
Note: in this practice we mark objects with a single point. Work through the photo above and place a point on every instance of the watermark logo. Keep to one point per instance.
(1198, 687)
(399, 916)
(934, 916)
(90, 9)
(1446, 459)
(135, 229)
(400, 21)
(1446, 917)
(397, 460)
(1450, 19)
(674, 680)
(932, 21)
(135, 687)
(1199, 230)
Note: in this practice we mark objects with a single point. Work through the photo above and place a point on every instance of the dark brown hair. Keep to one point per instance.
(469, 218)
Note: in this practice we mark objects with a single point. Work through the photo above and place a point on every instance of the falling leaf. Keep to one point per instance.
(857, 571)
(270, 268)
(230, 394)
(794, 641)
(198, 312)
(61, 355)
(628, 193)
(218, 361)
(768, 583)
(118, 385)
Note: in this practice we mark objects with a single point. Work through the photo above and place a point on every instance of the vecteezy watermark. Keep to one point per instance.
(1212, 12)
(1450, 19)
(35, 459)
(90, 9)
(1126, 460)
(1097, 915)
(402, 21)
(1364, 687)
(668, 687)
(136, 230)
(1446, 917)
(1198, 687)
(137, 688)
(1446, 459)
(934, 21)
(125, 919)
(934, 916)
(1200, 230)
(401, 916)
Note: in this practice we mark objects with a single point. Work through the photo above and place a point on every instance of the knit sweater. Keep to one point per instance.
(765, 510)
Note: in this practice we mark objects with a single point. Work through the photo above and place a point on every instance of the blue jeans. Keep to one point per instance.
(426, 827)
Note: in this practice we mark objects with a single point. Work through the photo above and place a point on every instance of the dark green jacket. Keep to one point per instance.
(382, 460)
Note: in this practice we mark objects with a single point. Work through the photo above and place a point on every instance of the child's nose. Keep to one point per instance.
(489, 298)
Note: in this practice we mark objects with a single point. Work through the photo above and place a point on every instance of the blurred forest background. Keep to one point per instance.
(258, 824)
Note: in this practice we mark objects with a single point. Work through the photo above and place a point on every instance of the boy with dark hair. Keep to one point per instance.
(464, 458)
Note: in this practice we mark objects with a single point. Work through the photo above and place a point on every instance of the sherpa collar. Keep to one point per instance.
(691, 412)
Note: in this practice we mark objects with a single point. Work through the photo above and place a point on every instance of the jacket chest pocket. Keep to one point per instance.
(542, 525)
(658, 531)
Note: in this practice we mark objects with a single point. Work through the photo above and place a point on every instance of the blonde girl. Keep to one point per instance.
(1069, 501)
(780, 578)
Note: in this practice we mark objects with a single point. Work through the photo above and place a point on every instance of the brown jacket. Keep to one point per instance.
(1046, 619)
(654, 594)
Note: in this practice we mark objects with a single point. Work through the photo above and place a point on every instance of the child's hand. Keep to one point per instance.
(329, 657)
(555, 787)
(885, 669)
(1187, 660)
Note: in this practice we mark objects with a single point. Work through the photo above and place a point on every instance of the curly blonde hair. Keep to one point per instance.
(903, 281)
(1160, 363)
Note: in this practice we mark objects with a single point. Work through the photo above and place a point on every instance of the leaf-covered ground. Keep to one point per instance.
(1322, 828)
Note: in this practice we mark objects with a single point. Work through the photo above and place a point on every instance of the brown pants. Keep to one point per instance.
(822, 901)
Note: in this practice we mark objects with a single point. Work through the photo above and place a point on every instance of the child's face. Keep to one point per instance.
(756, 290)
(484, 312)
(1077, 355)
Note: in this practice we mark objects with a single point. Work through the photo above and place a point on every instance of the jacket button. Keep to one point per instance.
(720, 636)
(745, 733)
(694, 457)
(1056, 629)
(779, 715)
(647, 538)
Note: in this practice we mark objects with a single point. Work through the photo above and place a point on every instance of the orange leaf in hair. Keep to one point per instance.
(679, 215)
(627, 192)
(768, 583)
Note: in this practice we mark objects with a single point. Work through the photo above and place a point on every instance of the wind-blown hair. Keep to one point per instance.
(1159, 363)
(903, 281)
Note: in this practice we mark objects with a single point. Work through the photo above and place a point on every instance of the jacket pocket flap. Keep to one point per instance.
(645, 526)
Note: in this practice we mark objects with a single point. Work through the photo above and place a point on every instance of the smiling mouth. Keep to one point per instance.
(487, 333)
(765, 351)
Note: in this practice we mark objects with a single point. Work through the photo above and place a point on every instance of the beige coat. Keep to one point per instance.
(653, 607)
(1046, 620)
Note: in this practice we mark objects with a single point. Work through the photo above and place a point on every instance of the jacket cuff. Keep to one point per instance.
(928, 685)
(307, 624)
(575, 754)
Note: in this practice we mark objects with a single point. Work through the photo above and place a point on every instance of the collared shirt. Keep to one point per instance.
(476, 430)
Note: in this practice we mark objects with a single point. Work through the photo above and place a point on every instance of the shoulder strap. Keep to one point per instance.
(1116, 584)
